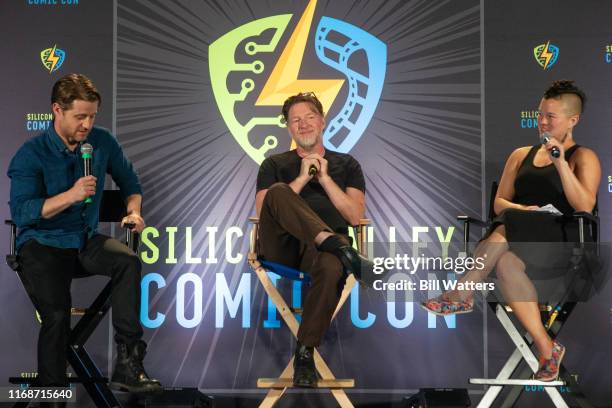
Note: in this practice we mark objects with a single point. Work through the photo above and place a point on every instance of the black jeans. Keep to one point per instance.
(47, 273)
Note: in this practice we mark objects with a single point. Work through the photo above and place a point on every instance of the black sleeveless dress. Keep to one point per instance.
(537, 237)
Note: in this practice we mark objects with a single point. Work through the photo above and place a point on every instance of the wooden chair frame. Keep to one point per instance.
(278, 386)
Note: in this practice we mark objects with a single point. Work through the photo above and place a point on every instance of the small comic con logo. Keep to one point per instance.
(53, 2)
(610, 191)
(546, 54)
(529, 119)
(52, 58)
(37, 121)
(608, 54)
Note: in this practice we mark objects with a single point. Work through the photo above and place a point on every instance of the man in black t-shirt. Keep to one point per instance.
(306, 199)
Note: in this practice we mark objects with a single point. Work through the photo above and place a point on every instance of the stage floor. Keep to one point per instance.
(309, 399)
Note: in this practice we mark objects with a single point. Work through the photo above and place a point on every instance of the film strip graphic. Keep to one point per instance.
(362, 58)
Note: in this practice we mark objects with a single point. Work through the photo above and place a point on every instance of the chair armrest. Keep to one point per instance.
(362, 221)
(359, 231)
(253, 236)
(593, 221)
(467, 220)
(587, 216)
(11, 259)
(472, 220)
(132, 238)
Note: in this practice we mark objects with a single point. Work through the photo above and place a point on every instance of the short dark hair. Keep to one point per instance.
(308, 97)
(566, 87)
(74, 86)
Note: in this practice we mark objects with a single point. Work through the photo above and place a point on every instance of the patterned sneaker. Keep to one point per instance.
(443, 307)
(549, 369)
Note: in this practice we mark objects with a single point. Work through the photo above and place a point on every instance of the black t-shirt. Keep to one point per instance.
(342, 168)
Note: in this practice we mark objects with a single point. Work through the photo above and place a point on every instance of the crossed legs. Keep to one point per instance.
(290, 232)
(516, 287)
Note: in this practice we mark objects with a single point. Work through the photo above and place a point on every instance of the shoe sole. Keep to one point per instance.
(444, 314)
(556, 376)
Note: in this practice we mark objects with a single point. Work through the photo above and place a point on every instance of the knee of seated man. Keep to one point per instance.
(129, 261)
(278, 189)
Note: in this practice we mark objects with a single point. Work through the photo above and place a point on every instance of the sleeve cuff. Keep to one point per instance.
(31, 212)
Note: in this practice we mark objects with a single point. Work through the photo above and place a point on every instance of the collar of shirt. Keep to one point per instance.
(57, 144)
(300, 152)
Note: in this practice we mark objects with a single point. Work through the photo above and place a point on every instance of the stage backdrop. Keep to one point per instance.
(430, 97)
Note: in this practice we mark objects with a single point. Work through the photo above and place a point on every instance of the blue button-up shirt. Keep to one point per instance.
(44, 167)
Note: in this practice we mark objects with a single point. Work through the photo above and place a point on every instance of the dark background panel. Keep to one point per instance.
(85, 32)
(514, 82)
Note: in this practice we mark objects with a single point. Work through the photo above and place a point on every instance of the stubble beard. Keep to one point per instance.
(74, 140)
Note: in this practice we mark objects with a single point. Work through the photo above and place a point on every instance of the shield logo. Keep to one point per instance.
(52, 58)
(222, 63)
(546, 54)
(235, 72)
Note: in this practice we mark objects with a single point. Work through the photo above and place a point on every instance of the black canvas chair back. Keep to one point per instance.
(518, 369)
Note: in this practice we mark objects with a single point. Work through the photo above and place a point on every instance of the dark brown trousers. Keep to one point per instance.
(287, 228)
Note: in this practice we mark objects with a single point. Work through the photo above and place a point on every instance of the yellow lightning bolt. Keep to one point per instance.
(284, 82)
(546, 54)
(52, 58)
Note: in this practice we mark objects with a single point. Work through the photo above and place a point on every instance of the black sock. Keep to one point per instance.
(332, 243)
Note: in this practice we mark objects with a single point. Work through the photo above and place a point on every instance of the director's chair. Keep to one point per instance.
(278, 386)
(522, 363)
(112, 209)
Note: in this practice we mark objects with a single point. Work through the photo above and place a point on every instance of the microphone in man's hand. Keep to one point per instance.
(545, 138)
(86, 155)
(312, 170)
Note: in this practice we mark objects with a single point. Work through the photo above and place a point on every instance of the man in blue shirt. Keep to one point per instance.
(57, 231)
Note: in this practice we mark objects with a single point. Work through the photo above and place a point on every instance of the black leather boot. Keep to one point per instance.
(357, 264)
(129, 374)
(352, 261)
(304, 371)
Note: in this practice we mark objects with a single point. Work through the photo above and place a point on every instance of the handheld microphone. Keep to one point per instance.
(86, 155)
(312, 170)
(554, 152)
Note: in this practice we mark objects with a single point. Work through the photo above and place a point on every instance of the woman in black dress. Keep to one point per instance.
(558, 172)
